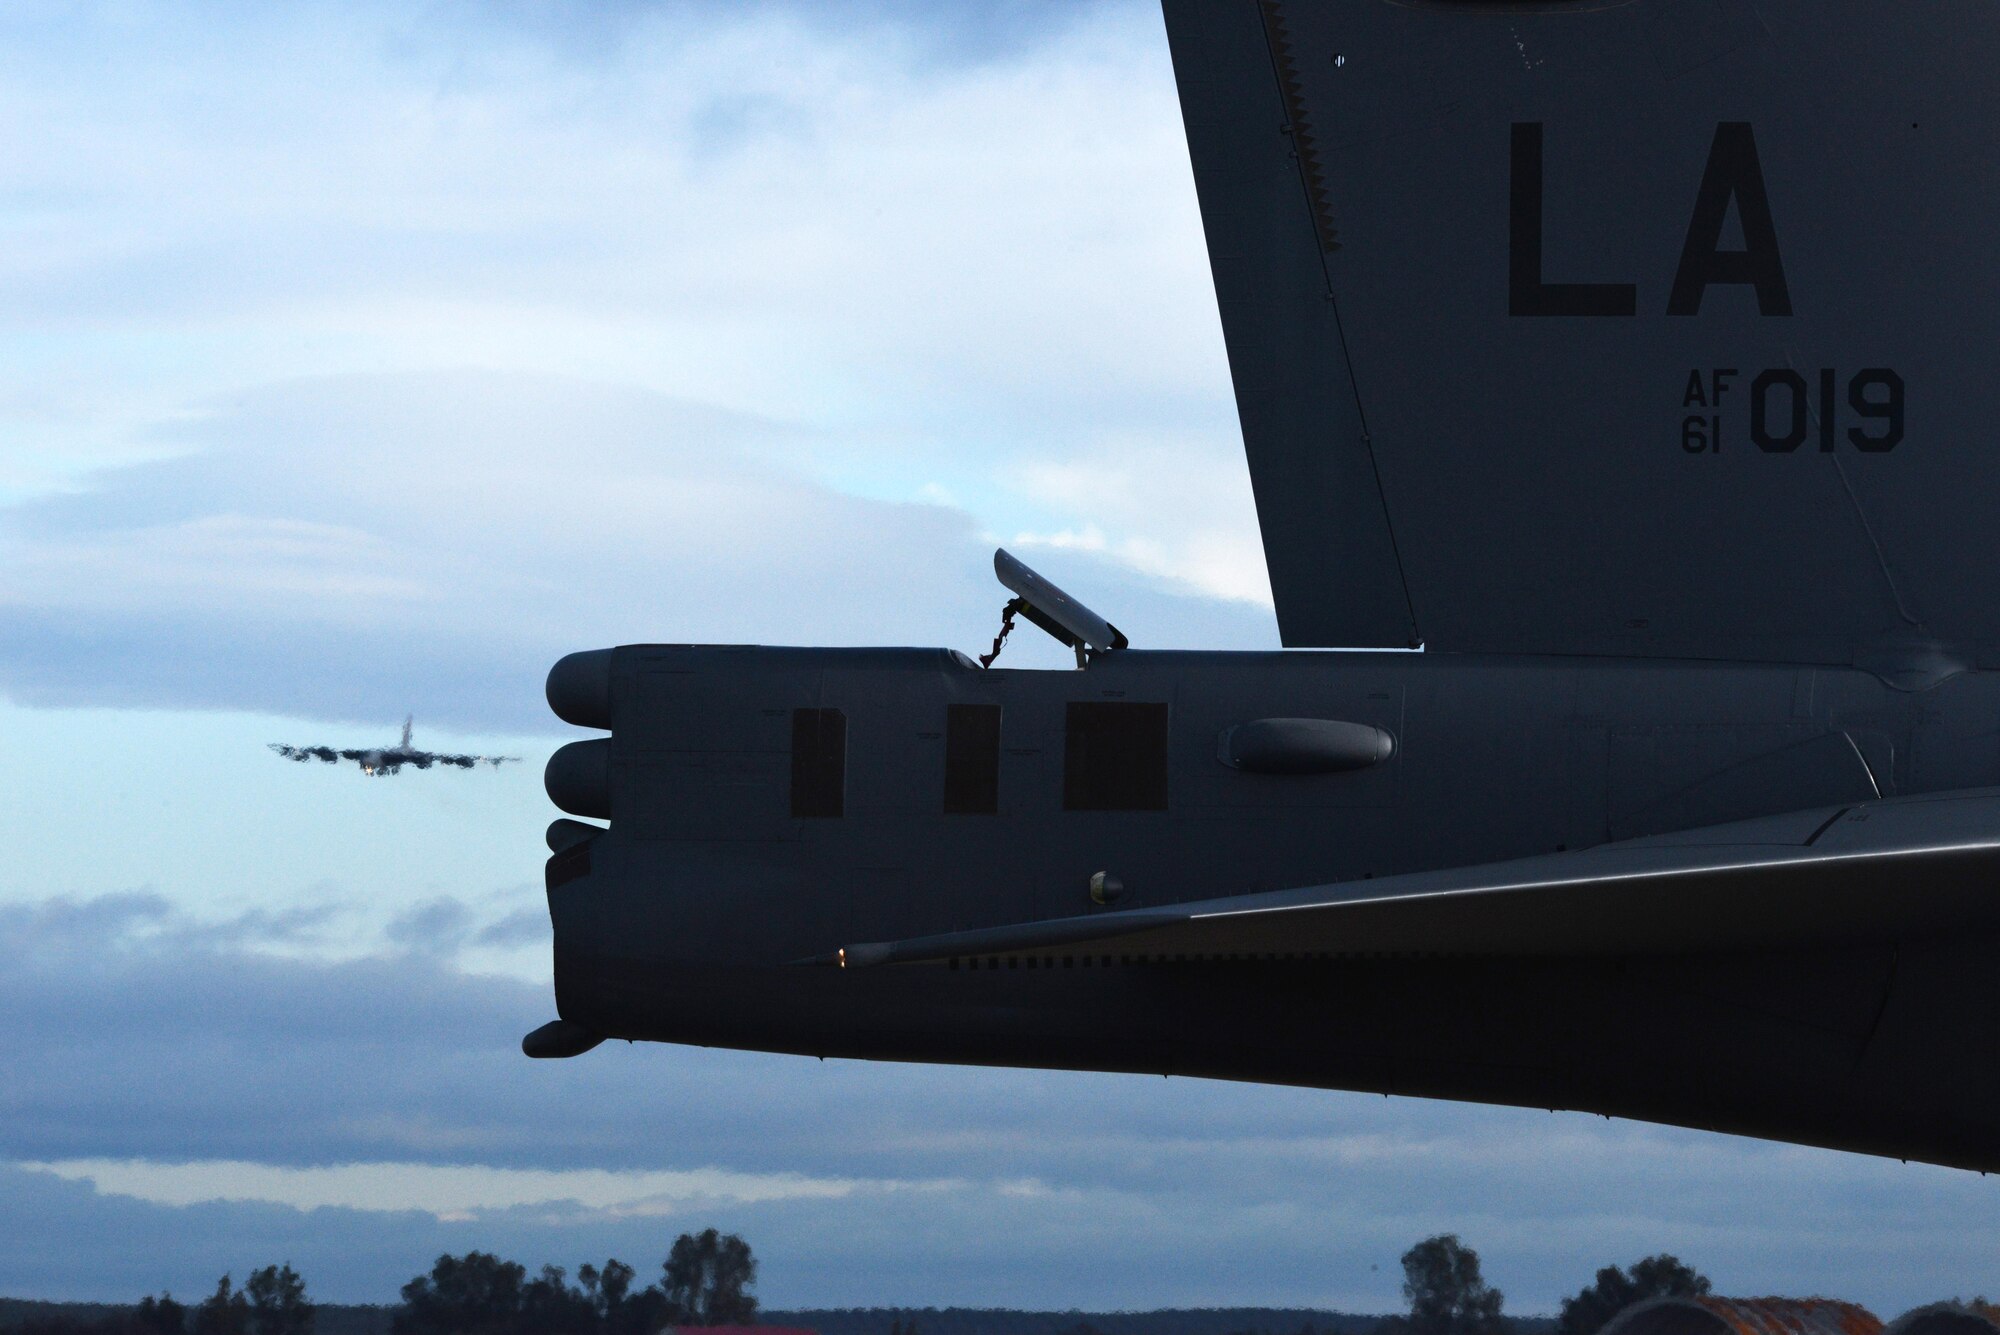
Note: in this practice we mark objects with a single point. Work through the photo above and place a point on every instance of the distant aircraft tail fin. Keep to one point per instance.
(1610, 326)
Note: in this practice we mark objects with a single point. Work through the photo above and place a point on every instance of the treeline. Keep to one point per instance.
(271, 1302)
(1448, 1295)
(706, 1278)
(704, 1281)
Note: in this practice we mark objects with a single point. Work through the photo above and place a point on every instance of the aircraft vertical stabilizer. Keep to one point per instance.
(1581, 326)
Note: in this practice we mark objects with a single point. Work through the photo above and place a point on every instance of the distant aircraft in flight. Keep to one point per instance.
(376, 760)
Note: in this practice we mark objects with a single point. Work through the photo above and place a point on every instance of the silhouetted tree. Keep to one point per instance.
(278, 1303)
(160, 1316)
(550, 1306)
(1615, 1290)
(1447, 1296)
(474, 1294)
(708, 1276)
(224, 1312)
(619, 1310)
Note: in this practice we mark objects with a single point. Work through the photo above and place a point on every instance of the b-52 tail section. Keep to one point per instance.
(1581, 326)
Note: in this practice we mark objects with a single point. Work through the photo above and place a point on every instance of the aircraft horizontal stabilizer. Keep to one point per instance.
(1879, 870)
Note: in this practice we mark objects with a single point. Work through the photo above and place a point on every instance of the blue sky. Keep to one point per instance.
(361, 360)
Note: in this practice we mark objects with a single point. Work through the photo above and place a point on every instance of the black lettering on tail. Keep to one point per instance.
(1732, 173)
(1527, 294)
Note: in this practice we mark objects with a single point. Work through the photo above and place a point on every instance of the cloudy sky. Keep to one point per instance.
(361, 360)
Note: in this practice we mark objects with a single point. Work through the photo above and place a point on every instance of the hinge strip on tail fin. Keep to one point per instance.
(1336, 575)
(1311, 174)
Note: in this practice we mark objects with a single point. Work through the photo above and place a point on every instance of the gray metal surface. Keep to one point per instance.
(1303, 746)
(1534, 490)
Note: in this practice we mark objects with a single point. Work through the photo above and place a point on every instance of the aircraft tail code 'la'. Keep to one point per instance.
(1653, 328)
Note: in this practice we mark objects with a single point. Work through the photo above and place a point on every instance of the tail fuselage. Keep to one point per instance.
(766, 805)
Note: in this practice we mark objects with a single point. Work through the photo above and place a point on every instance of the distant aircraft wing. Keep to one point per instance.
(1878, 870)
(467, 762)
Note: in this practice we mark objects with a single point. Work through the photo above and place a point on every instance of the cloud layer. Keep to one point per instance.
(354, 546)
(140, 1039)
(420, 353)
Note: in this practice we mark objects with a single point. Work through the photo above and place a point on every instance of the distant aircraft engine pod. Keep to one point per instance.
(578, 778)
(1303, 746)
(579, 688)
(1973, 1318)
(1744, 1316)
